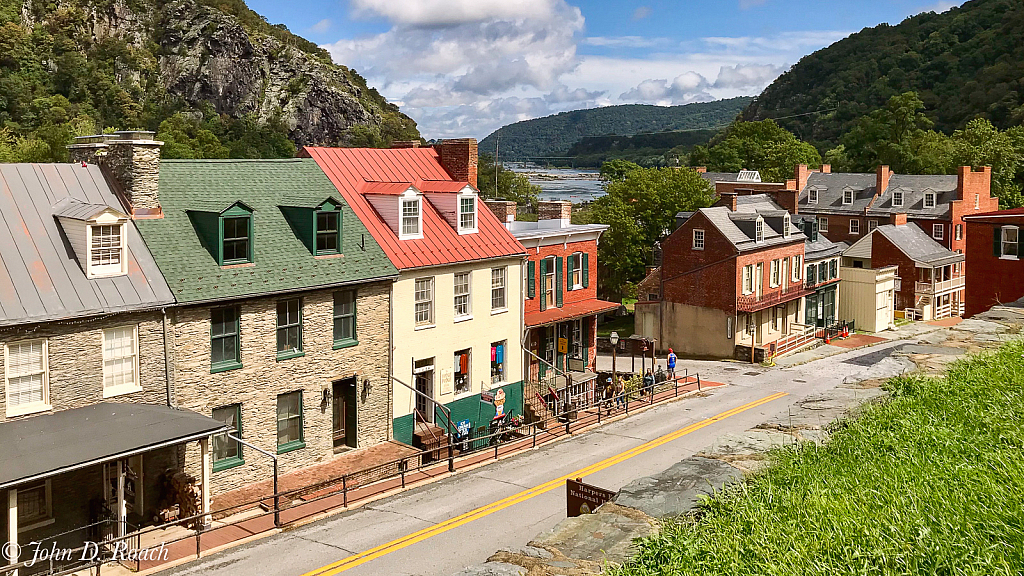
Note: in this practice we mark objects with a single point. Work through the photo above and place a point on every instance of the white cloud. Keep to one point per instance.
(448, 12)
(685, 88)
(748, 75)
(321, 26)
(641, 12)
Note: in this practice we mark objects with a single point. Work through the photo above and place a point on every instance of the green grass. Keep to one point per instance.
(624, 325)
(930, 482)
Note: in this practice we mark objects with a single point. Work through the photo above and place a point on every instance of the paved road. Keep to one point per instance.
(426, 532)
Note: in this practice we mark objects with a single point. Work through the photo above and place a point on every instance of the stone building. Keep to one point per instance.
(88, 434)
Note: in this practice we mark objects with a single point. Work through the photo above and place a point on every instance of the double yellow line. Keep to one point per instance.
(408, 540)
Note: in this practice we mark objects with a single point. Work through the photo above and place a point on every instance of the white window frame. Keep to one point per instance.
(822, 224)
(812, 196)
(897, 194)
(929, 199)
(412, 199)
(759, 229)
(44, 519)
(1003, 242)
(427, 303)
(797, 265)
(938, 231)
(958, 232)
(106, 270)
(872, 224)
(977, 201)
(499, 284)
(698, 239)
(854, 226)
(848, 193)
(748, 279)
(775, 275)
(549, 288)
(475, 227)
(126, 388)
(462, 300)
(32, 407)
(469, 372)
(575, 282)
(786, 224)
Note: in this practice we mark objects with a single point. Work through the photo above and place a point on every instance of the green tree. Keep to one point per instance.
(761, 146)
(615, 170)
(496, 181)
(640, 209)
(982, 144)
(184, 137)
(888, 136)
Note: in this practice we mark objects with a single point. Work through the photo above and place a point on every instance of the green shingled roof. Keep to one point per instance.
(282, 261)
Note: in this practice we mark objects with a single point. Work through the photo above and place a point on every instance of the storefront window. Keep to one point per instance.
(498, 350)
(463, 382)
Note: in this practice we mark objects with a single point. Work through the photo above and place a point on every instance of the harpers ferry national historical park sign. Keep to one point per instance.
(583, 498)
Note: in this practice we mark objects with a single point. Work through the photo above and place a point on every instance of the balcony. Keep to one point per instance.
(937, 288)
(776, 296)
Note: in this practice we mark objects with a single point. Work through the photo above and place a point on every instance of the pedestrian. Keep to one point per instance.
(609, 393)
(649, 382)
(620, 396)
(671, 364)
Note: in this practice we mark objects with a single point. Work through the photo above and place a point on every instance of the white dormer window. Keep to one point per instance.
(467, 213)
(848, 196)
(929, 199)
(786, 223)
(411, 225)
(812, 196)
(897, 198)
(759, 229)
(106, 245)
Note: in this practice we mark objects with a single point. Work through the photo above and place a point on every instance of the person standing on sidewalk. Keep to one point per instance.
(671, 364)
(649, 382)
(620, 395)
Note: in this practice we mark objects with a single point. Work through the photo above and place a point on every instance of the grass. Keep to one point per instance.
(624, 325)
(930, 482)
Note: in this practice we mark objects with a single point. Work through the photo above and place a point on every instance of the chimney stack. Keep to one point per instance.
(826, 168)
(132, 159)
(898, 219)
(727, 199)
(505, 210)
(970, 182)
(459, 158)
(405, 144)
(801, 175)
(882, 179)
(560, 210)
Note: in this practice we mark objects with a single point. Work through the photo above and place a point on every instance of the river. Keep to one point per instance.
(576, 186)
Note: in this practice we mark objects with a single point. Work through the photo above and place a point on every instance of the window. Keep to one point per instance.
(812, 196)
(833, 269)
(463, 379)
(227, 453)
(796, 267)
(848, 196)
(872, 224)
(106, 250)
(225, 345)
(786, 224)
(410, 219)
(328, 232)
(120, 361)
(576, 347)
(498, 350)
(345, 319)
(235, 245)
(855, 226)
(498, 301)
(775, 278)
(1009, 239)
(289, 422)
(35, 506)
(777, 313)
(812, 274)
(748, 278)
(549, 281)
(823, 272)
(959, 231)
(27, 378)
(929, 199)
(977, 201)
(463, 306)
(822, 224)
(759, 230)
(289, 328)
(575, 265)
(467, 214)
(897, 198)
(698, 239)
(938, 231)
(424, 301)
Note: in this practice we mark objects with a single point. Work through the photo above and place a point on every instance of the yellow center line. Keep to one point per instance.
(420, 535)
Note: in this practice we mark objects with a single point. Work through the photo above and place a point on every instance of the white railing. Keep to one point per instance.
(799, 336)
(939, 287)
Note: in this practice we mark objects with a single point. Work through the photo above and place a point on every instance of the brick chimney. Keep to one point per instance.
(405, 144)
(800, 175)
(505, 210)
(459, 158)
(555, 210)
(787, 198)
(898, 219)
(970, 182)
(882, 176)
(132, 159)
(727, 199)
(826, 168)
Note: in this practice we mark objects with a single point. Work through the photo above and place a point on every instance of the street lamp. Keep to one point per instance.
(614, 339)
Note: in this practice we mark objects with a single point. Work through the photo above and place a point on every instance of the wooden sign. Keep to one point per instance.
(583, 498)
(563, 345)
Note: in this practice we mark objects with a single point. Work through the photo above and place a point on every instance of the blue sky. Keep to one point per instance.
(467, 67)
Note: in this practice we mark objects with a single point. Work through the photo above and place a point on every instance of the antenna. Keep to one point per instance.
(497, 140)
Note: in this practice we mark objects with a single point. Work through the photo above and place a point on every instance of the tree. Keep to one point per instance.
(888, 136)
(640, 209)
(982, 144)
(615, 170)
(184, 137)
(761, 146)
(496, 181)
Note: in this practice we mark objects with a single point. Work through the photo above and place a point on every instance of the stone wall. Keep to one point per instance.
(75, 357)
(262, 378)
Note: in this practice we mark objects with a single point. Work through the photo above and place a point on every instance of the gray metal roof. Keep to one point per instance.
(831, 187)
(739, 227)
(44, 446)
(40, 277)
(914, 188)
(820, 248)
(917, 245)
(713, 177)
(79, 210)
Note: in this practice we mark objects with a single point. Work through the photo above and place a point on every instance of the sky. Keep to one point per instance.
(467, 67)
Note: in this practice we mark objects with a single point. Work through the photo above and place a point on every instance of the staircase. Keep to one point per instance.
(535, 408)
(428, 437)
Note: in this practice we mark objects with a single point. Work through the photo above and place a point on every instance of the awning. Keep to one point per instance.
(569, 311)
(44, 446)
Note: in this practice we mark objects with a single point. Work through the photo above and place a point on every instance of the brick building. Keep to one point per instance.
(88, 434)
(993, 257)
(561, 305)
(732, 277)
(929, 281)
(821, 273)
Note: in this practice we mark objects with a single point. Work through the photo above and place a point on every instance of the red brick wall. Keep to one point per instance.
(557, 250)
(884, 253)
(748, 188)
(699, 277)
(839, 227)
(991, 280)
(459, 158)
(766, 256)
(651, 284)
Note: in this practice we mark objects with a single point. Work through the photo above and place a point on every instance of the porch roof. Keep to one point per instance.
(569, 311)
(44, 446)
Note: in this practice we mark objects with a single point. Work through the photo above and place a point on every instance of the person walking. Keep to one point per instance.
(620, 395)
(671, 364)
(649, 382)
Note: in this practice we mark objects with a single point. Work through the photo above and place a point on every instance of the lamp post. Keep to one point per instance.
(614, 339)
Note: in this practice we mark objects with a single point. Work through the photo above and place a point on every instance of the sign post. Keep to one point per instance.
(583, 498)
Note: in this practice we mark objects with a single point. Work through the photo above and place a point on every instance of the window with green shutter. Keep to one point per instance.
(531, 279)
(586, 270)
(558, 282)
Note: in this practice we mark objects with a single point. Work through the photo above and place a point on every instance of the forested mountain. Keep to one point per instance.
(554, 135)
(964, 63)
(647, 150)
(212, 76)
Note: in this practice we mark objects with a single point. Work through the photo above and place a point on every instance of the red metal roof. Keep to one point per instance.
(350, 169)
(569, 312)
(1010, 212)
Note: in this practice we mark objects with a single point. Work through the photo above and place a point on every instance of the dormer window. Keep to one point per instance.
(235, 238)
(897, 198)
(411, 225)
(328, 229)
(759, 230)
(467, 213)
(106, 250)
(929, 199)
(848, 196)
(812, 196)
(786, 223)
